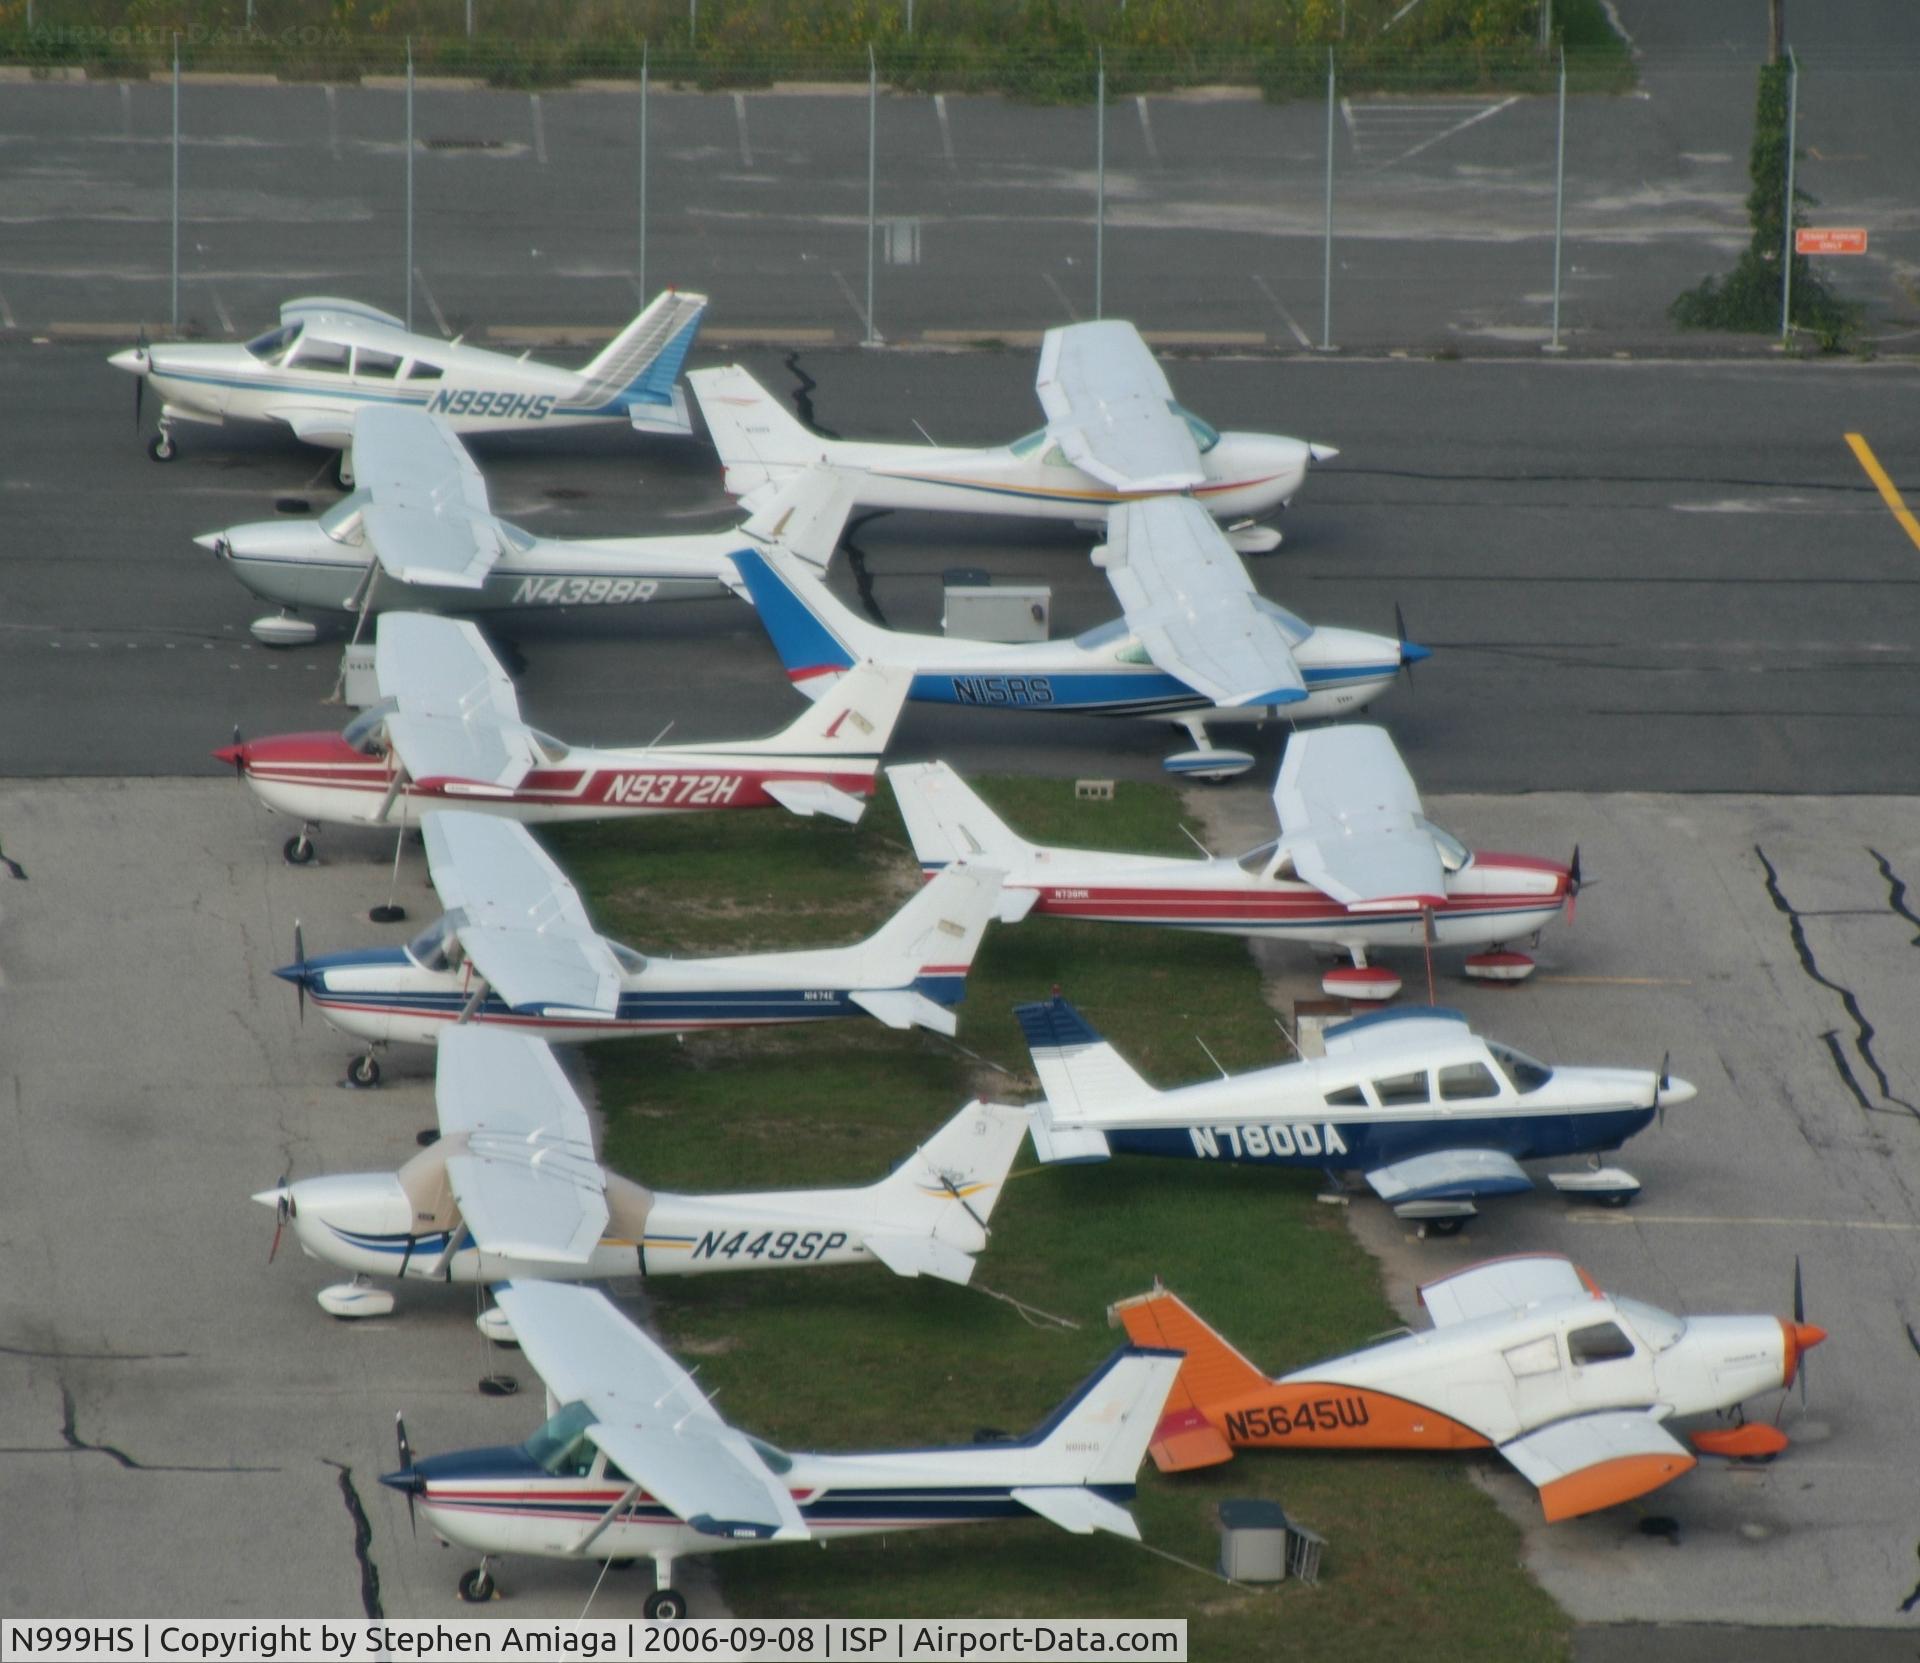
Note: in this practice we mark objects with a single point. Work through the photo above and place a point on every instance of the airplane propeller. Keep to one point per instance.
(140, 380)
(1662, 1082)
(1575, 882)
(1799, 1320)
(406, 1467)
(300, 964)
(1400, 630)
(282, 1211)
(239, 758)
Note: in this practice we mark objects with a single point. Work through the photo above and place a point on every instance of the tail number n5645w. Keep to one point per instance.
(672, 790)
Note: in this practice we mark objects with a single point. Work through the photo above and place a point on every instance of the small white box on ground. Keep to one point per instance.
(1093, 791)
(357, 684)
(979, 612)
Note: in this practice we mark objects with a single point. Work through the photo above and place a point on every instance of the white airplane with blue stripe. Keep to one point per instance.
(1198, 646)
(1114, 434)
(515, 949)
(328, 359)
(512, 1188)
(634, 1462)
(1433, 1116)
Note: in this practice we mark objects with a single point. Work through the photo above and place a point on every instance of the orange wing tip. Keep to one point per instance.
(1608, 1483)
(1186, 1439)
(1741, 1443)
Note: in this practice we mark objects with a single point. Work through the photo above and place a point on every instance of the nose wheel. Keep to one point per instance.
(363, 1073)
(161, 447)
(478, 1586)
(298, 850)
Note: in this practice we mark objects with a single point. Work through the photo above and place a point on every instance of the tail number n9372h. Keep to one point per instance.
(678, 790)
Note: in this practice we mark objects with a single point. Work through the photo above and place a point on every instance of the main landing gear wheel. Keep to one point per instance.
(476, 1587)
(363, 1071)
(162, 448)
(1444, 1226)
(298, 850)
(665, 1604)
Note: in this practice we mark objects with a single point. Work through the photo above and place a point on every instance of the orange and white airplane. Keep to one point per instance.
(1526, 1355)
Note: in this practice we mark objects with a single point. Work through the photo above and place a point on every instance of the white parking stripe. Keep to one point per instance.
(6, 313)
(220, 310)
(1286, 317)
(1894, 1226)
(433, 306)
(1146, 130)
(1061, 295)
(740, 120)
(333, 122)
(946, 132)
(539, 130)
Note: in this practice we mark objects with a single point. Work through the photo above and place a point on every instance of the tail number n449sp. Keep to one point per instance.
(672, 790)
(795, 1245)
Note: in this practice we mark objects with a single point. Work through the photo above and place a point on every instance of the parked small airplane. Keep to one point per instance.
(1113, 434)
(515, 947)
(511, 1189)
(1198, 645)
(330, 358)
(1432, 1115)
(448, 731)
(418, 530)
(1357, 866)
(636, 1464)
(1526, 1355)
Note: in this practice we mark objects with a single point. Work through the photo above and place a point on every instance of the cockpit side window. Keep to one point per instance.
(1455, 856)
(1028, 443)
(1055, 458)
(1462, 1081)
(421, 370)
(1603, 1342)
(271, 348)
(562, 1447)
(437, 947)
(1346, 1097)
(384, 365)
(367, 732)
(1402, 1089)
(316, 354)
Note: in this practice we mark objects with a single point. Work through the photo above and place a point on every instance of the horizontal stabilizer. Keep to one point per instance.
(810, 797)
(1078, 1510)
(1595, 1461)
(920, 1256)
(805, 515)
(1186, 1439)
(1449, 1175)
(1084, 1078)
(1056, 1144)
(900, 1008)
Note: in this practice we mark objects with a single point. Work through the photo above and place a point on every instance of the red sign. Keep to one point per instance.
(1809, 239)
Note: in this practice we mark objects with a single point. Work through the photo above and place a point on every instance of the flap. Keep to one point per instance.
(456, 715)
(332, 428)
(810, 797)
(920, 1256)
(1351, 819)
(1503, 1287)
(1450, 1175)
(1079, 1510)
(900, 1008)
(1189, 599)
(429, 520)
(1055, 1144)
(1109, 406)
(1595, 1461)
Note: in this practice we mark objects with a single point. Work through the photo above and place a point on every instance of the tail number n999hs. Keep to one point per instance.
(672, 790)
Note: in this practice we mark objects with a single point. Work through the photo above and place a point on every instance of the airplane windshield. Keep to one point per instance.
(1028, 444)
(437, 947)
(367, 732)
(342, 522)
(1526, 1074)
(552, 751)
(1455, 856)
(1205, 434)
(519, 541)
(778, 1462)
(1660, 1329)
(561, 1446)
(272, 347)
(630, 961)
(1295, 629)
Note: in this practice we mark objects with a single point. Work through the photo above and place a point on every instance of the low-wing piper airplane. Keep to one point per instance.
(1357, 866)
(1526, 1355)
(1431, 1115)
(635, 1463)
(511, 1189)
(447, 732)
(418, 530)
(329, 358)
(1113, 434)
(1198, 644)
(515, 948)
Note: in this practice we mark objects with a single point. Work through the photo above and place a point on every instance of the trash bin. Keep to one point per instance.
(1253, 1541)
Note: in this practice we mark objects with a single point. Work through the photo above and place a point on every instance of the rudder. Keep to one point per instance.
(757, 439)
(947, 821)
(1213, 1375)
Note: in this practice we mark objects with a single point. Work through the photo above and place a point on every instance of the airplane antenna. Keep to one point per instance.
(916, 422)
(1197, 1040)
(1286, 1033)
(659, 736)
(1196, 841)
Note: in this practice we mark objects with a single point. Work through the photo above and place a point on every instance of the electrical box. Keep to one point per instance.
(357, 684)
(980, 612)
(1253, 1541)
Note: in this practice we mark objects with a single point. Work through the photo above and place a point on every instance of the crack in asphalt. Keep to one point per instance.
(70, 1434)
(1896, 890)
(803, 397)
(857, 564)
(1863, 1030)
(94, 1356)
(362, 1542)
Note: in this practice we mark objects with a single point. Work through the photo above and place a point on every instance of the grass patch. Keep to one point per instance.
(1416, 1558)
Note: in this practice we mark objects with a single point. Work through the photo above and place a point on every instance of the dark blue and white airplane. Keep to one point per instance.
(515, 947)
(1198, 645)
(636, 1464)
(1432, 1115)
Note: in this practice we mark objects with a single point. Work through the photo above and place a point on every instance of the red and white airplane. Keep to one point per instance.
(1357, 866)
(447, 733)
(1526, 1355)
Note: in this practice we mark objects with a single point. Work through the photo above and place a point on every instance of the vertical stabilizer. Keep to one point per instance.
(758, 440)
(947, 821)
(930, 1213)
(1100, 1433)
(1213, 1375)
(816, 636)
(641, 365)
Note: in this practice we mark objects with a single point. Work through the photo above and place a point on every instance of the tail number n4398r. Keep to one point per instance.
(583, 591)
(672, 790)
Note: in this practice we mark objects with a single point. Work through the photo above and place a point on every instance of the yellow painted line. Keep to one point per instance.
(1618, 981)
(1863, 454)
(1628, 1216)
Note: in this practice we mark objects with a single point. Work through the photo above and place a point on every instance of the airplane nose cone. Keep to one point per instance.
(1801, 1337)
(1322, 453)
(130, 359)
(1677, 1090)
(210, 541)
(294, 973)
(408, 1482)
(1411, 652)
(234, 756)
(273, 1197)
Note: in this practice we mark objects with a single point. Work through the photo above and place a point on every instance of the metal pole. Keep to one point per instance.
(693, 20)
(1786, 234)
(909, 19)
(1326, 276)
(873, 133)
(643, 174)
(176, 183)
(1100, 188)
(409, 182)
(469, 19)
(1559, 200)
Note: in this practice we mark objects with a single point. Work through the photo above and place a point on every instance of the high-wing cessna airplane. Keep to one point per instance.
(447, 732)
(515, 948)
(1526, 1355)
(636, 1464)
(418, 531)
(330, 358)
(511, 1189)
(1433, 1116)
(1113, 434)
(1198, 644)
(1357, 866)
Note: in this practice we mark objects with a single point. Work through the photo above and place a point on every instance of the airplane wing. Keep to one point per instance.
(527, 1181)
(1197, 613)
(1351, 817)
(1595, 1461)
(428, 521)
(1503, 1287)
(523, 924)
(649, 1416)
(1109, 405)
(456, 716)
(1449, 1175)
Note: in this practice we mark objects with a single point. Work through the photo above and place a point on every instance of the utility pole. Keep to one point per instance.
(1776, 29)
